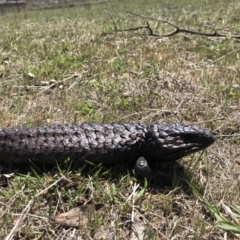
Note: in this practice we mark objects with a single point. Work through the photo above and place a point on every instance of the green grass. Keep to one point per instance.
(123, 77)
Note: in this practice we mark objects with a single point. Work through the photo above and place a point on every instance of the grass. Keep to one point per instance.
(123, 77)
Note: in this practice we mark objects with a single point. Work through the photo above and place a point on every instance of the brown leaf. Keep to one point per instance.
(79, 216)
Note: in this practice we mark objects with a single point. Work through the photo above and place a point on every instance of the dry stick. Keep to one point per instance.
(114, 23)
(177, 29)
(128, 29)
(10, 202)
(56, 84)
(229, 53)
(20, 220)
(230, 120)
(26, 210)
(151, 224)
(132, 29)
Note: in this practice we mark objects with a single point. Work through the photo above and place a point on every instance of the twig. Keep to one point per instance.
(114, 23)
(23, 215)
(230, 120)
(176, 31)
(26, 210)
(128, 29)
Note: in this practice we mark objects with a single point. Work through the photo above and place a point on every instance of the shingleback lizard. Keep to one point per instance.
(106, 143)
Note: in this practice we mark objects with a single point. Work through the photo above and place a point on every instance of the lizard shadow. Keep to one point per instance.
(171, 176)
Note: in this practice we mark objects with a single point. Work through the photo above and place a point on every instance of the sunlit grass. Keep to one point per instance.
(57, 66)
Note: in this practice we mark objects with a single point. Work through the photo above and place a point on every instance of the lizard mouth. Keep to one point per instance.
(175, 147)
(198, 142)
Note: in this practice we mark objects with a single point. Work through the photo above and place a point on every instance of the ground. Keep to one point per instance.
(60, 66)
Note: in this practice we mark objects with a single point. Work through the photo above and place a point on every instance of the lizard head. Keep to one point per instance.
(170, 141)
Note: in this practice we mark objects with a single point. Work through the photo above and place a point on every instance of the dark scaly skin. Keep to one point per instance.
(106, 143)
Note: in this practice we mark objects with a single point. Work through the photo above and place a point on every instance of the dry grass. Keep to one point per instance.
(126, 77)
